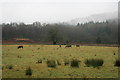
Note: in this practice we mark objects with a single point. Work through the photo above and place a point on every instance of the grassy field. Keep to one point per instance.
(20, 59)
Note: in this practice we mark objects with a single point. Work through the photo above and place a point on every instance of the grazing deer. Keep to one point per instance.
(68, 46)
(114, 54)
(77, 45)
(59, 45)
(20, 47)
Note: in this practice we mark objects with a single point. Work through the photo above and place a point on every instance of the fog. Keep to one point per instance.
(51, 11)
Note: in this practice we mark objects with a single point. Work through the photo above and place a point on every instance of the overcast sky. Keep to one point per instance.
(29, 11)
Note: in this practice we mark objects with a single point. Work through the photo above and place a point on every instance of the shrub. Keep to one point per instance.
(66, 62)
(43, 58)
(29, 71)
(10, 67)
(117, 63)
(51, 63)
(19, 56)
(94, 62)
(75, 63)
(40, 61)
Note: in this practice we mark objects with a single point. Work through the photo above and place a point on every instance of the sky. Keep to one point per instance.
(51, 11)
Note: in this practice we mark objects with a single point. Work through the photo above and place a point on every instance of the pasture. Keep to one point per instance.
(16, 61)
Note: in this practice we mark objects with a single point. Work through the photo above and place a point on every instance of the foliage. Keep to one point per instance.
(117, 63)
(94, 62)
(40, 61)
(84, 33)
(10, 67)
(29, 71)
(75, 63)
(98, 40)
(51, 63)
(53, 35)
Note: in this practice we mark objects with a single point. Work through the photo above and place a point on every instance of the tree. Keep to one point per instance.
(67, 42)
(86, 33)
(78, 24)
(98, 40)
(53, 36)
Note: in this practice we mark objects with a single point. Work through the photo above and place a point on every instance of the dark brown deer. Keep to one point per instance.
(20, 47)
(77, 45)
(59, 45)
(68, 46)
(114, 54)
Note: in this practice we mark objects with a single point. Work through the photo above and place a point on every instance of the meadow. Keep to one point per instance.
(16, 61)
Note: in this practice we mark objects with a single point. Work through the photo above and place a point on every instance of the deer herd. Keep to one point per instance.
(67, 46)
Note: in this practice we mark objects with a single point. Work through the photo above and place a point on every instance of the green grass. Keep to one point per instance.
(59, 62)
(22, 58)
(66, 62)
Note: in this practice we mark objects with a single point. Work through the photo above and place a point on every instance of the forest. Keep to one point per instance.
(91, 32)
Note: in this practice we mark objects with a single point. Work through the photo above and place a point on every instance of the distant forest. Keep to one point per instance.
(91, 32)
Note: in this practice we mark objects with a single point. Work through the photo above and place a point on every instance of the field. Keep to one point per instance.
(21, 59)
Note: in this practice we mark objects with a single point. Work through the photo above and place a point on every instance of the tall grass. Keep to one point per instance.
(51, 63)
(39, 61)
(94, 62)
(9, 67)
(29, 71)
(75, 63)
(117, 63)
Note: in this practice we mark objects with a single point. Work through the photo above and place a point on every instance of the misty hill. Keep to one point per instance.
(95, 18)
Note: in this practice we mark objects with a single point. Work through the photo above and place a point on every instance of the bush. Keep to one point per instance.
(29, 71)
(9, 67)
(117, 63)
(19, 56)
(75, 63)
(40, 61)
(94, 62)
(43, 58)
(66, 62)
(51, 63)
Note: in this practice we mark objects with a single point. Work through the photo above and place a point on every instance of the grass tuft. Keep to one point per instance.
(117, 63)
(39, 61)
(10, 67)
(94, 62)
(29, 71)
(75, 63)
(51, 63)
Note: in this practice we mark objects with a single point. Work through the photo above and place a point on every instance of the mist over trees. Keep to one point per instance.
(91, 32)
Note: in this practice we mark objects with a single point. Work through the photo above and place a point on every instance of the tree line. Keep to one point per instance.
(90, 32)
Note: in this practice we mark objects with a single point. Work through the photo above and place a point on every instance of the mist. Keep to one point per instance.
(53, 11)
